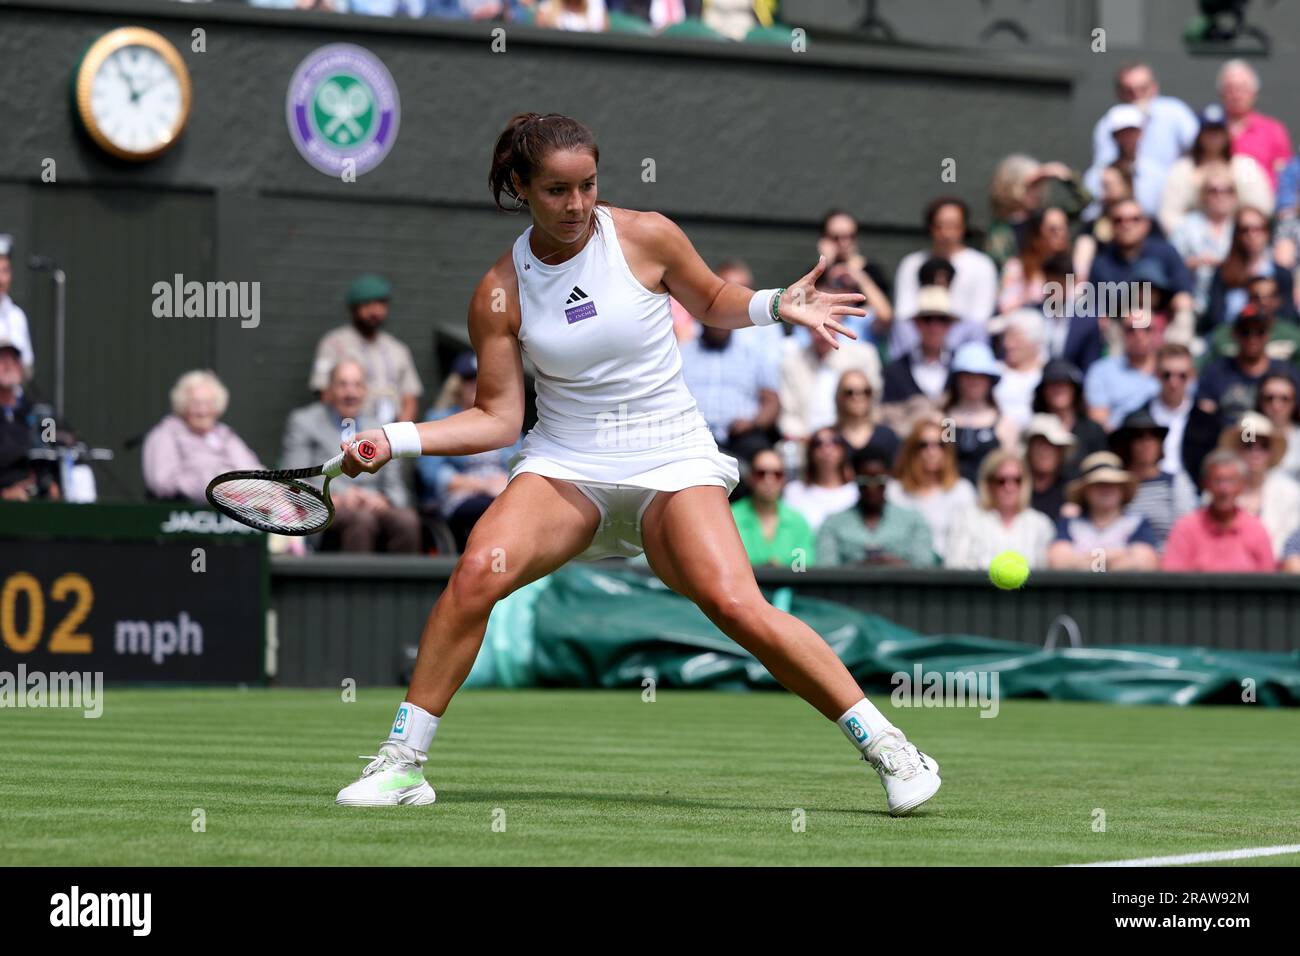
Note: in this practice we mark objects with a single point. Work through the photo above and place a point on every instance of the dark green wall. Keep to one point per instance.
(321, 605)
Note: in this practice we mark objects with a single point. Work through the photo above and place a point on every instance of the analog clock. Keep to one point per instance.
(132, 93)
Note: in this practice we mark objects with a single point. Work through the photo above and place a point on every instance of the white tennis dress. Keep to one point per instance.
(614, 415)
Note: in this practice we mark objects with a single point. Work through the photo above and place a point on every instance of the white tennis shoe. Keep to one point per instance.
(909, 777)
(394, 777)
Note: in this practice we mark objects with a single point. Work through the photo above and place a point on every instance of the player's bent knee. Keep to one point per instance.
(479, 579)
(731, 608)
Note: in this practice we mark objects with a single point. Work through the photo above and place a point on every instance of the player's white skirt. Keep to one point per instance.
(622, 480)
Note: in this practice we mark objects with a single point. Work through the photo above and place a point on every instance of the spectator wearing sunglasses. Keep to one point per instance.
(1211, 155)
(1251, 254)
(927, 478)
(1265, 299)
(1118, 384)
(1229, 385)
(772, 532)
(924, 369)
(1001, 520)
(1277, 400)
(856, 416)
(1204, 236)
(1172, 407)
(875, 531)
(827, 485)
(1269, 494)
(1117, 261)
(849, 270)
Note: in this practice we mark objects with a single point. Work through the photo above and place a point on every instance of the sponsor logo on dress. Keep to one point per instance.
(579, 305)
(343, 110)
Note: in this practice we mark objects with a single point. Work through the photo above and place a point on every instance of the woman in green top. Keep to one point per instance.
(772, 532)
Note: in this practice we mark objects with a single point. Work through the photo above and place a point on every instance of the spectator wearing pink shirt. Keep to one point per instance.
(191, 446)
(1253, 134)
(1220, 537)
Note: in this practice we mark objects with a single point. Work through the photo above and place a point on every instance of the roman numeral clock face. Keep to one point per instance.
(133, 93)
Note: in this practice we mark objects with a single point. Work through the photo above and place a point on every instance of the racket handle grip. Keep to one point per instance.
(366, 451)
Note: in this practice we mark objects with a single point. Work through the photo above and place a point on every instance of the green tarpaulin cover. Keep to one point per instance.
(586, 626)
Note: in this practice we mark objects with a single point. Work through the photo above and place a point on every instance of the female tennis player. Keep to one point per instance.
(620, 460)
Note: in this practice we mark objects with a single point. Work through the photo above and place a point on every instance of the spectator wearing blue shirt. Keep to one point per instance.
(1170, 123)
(1133, 244)
(1119, 384)
(1106, 535)
(734, 387)
(461, 487)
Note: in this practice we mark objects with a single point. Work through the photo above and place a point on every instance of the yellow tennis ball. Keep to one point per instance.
(1009, 570)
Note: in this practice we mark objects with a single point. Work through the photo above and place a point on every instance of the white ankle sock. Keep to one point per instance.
(863, 723)
(414, 727)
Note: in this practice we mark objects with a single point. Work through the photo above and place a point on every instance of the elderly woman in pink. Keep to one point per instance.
(185, 450)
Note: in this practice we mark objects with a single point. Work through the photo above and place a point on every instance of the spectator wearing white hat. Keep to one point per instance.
(1127, 123)
(13, 320)
(1048, 444)
(1169, 127)
(924, 369)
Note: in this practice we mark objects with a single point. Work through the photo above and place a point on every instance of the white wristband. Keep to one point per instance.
(760, 307)
(403, 439)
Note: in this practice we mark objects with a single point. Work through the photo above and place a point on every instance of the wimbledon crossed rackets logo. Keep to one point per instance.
(342, 109)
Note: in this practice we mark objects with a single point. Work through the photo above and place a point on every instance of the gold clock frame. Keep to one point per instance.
(89, 66)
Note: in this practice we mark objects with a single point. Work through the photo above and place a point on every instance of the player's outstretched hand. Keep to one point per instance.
(354, 465)
(804, 304)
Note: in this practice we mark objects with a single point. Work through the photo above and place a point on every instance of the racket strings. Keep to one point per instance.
(282, 506)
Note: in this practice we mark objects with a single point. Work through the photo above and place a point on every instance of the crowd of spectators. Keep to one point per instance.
(1105, 379)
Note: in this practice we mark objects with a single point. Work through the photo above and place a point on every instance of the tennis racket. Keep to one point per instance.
(280, 502)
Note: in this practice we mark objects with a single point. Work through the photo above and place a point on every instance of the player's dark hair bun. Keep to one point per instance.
(524, 145)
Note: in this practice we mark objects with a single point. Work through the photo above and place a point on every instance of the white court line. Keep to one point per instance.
(1212, 857)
